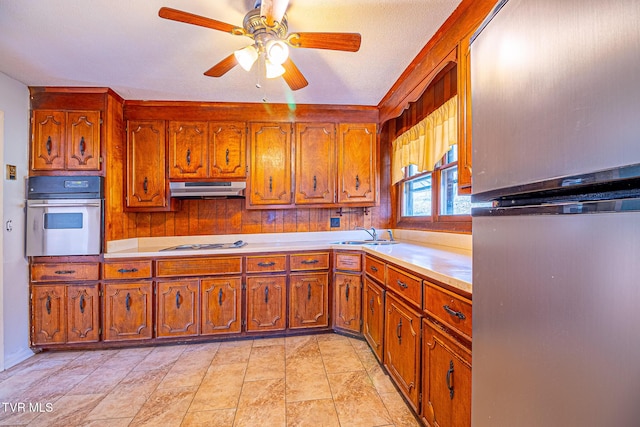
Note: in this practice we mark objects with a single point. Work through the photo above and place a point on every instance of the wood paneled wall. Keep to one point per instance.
(229, 216)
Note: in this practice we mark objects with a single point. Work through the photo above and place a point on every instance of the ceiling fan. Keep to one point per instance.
(266, 24)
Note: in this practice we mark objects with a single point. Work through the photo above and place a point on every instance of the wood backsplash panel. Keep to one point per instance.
(228, 216)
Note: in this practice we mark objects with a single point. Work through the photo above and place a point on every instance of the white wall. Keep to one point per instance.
(14, 313)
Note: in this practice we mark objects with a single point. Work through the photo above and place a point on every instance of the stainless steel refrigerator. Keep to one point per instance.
(556, 258)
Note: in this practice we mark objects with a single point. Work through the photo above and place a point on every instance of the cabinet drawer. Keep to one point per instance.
(126, 270)
(348, 261)
(198, 266)
(374, 268)
(261, 264)
(65, 272)
(315, 261)
(405, 285)
(448, 308)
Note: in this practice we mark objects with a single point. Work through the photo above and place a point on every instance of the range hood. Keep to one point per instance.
(207, 189)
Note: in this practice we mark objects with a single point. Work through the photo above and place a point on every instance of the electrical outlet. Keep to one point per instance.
(335, 222)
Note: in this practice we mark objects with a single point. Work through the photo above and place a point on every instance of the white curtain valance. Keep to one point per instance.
(425, 143)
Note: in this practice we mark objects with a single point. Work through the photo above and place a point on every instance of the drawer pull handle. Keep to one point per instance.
(127, 302)
(266, 295)
(315, 183)
(128, 270)
(82, 146)
(309, 261)
(374, 269)
(226, 157)
(449, 374)
(81, 304)
(48, 304)
(402, 284)
(220, 297)
(270, 184)
(357, 182)
(346, 292)
(371, 305)
(48, 146)
(145, 185)
(266, 264)
(178, 300)
(65, 271)
(399, 331)
(188, 157)
(308, 291)
(460, 315)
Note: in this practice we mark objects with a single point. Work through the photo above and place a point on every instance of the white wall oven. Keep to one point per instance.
(64, 215)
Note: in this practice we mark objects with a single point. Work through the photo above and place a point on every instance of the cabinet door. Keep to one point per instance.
(446, 379)
(177, 308)
(347, 288)
(220, 302)
(227, 142)
(146, 184)
(357, 157)
(83, 140)
(82, 313)
(402, 347)
(188, 150)
(270, 174)
(266, 303)
(48, 313)
(47, 145)
(309, 300)
(373, 316)
(315, 147)
(127, 311)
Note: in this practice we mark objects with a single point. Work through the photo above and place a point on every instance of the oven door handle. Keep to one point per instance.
(64, 205)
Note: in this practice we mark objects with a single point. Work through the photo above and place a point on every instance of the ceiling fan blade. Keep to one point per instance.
(190, 18)
(349, 42)
(293, 76)
(273, 10)
(222, 67)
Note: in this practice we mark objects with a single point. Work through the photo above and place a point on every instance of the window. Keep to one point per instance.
(430, 199)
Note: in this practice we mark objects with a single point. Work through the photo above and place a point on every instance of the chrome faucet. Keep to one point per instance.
(390, 235)
(372, 233)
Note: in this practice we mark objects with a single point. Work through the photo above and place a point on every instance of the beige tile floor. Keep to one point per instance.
(314, 380)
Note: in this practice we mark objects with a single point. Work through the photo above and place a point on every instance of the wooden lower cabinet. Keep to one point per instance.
(266, 303)
(127, 312)
(347, 300)
(220, 305)
(402, 347)
(373, 316)
(177, 308)
(309, 300)
(446, 379)
(65, 314)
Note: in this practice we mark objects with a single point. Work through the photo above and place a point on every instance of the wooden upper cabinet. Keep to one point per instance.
(227, 142)
(146, 183)
(65, 140)
(357, 163)
(188, 150)
(270, 165)
(464, 116)
(315, 175)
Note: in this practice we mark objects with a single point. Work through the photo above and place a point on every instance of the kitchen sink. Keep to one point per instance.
(366, 242)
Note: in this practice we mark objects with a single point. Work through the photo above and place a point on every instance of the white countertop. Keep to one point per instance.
(441, 256)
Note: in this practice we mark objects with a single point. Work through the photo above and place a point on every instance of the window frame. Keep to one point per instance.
(436, 221)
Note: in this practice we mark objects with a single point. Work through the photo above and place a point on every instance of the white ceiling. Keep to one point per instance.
(124, 45)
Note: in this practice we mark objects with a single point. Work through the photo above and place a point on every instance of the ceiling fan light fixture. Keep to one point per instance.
(277, 51)
(273, 70)
(246, 57)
